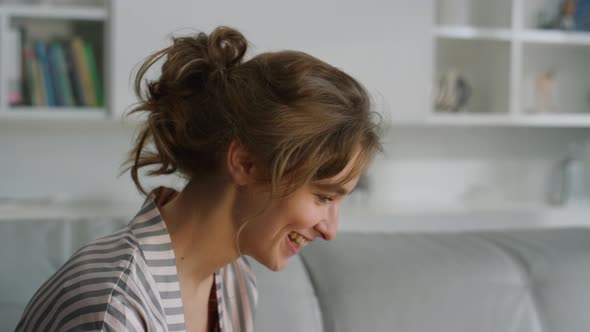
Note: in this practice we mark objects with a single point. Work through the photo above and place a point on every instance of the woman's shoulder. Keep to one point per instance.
(85, 285)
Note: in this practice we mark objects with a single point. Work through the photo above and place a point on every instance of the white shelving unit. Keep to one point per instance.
(472, 33)
(49, 22)
(497, 48)
(55, 12)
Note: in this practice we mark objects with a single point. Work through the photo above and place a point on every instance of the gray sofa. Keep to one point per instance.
(512, 280)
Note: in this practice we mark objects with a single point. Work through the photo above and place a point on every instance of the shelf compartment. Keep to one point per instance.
(537, 13)
(49, 25)
(489, 83)
(570, 90)
(477, 13)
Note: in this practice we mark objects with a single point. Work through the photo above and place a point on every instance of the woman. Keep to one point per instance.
(269, 147)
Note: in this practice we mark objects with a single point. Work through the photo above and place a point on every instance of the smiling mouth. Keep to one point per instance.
(297, 239)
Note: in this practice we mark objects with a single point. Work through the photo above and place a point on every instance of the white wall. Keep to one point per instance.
(386, 44)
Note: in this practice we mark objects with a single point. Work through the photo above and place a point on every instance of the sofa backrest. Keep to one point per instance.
(32, 250)
(287, 300)
(512, 280)
(419, 282)
(557, 262)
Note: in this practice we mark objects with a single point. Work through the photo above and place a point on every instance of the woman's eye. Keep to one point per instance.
(324, 198)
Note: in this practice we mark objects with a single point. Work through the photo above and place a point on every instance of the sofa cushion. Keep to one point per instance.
(419, 282)
(287, 300)
(558, 262)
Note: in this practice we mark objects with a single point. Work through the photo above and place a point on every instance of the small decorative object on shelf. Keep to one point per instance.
(567, 182)
(567, 15)
(544, 92)
(453, 92)
(570, 15)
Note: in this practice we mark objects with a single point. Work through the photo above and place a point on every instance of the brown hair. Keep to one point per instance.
(302, 118)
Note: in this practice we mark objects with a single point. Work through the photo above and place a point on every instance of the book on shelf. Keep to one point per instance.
(62, 74)
(59, 73)
(77, 46)
(74, 75)
(93, 71)
(46, 72)
(12, 73)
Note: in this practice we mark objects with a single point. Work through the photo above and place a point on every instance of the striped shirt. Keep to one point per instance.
(127, 281)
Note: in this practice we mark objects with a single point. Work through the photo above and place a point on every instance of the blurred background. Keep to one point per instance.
(485, 106)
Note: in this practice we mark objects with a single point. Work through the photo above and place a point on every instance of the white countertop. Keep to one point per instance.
(354, 216)
(453, 217)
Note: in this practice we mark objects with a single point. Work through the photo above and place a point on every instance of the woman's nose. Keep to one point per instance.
(329, 225)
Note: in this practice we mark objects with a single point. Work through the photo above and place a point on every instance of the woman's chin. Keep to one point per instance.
(275, 265)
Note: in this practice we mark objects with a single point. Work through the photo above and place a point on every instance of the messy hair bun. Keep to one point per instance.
(193, 65)
(194, 60)
(301, 117)
(226, 48)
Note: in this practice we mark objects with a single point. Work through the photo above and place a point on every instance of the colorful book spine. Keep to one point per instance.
(54, 76)
(41, 52)
(40, 82)
(82, 66)
(94, 76)
(74, 76)
(63, 76)
(25, 83)
(31, 75)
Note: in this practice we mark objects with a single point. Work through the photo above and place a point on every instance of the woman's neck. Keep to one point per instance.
(199, 220)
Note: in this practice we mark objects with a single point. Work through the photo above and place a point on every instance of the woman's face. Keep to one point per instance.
(288, 224)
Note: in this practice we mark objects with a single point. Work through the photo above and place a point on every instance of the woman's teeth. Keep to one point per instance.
(300, 240)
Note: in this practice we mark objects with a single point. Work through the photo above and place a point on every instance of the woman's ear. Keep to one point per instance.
(240, 164)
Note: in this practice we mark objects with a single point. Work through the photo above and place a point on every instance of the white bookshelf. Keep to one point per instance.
(58, 113)
(56, 12)
(555, 37)
(499, 49)
(509, 120)
(472, 33)
(47, 22)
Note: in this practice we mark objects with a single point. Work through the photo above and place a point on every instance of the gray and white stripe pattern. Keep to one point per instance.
(127, 281)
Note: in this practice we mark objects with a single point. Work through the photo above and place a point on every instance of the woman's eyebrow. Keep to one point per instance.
(335, 188)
